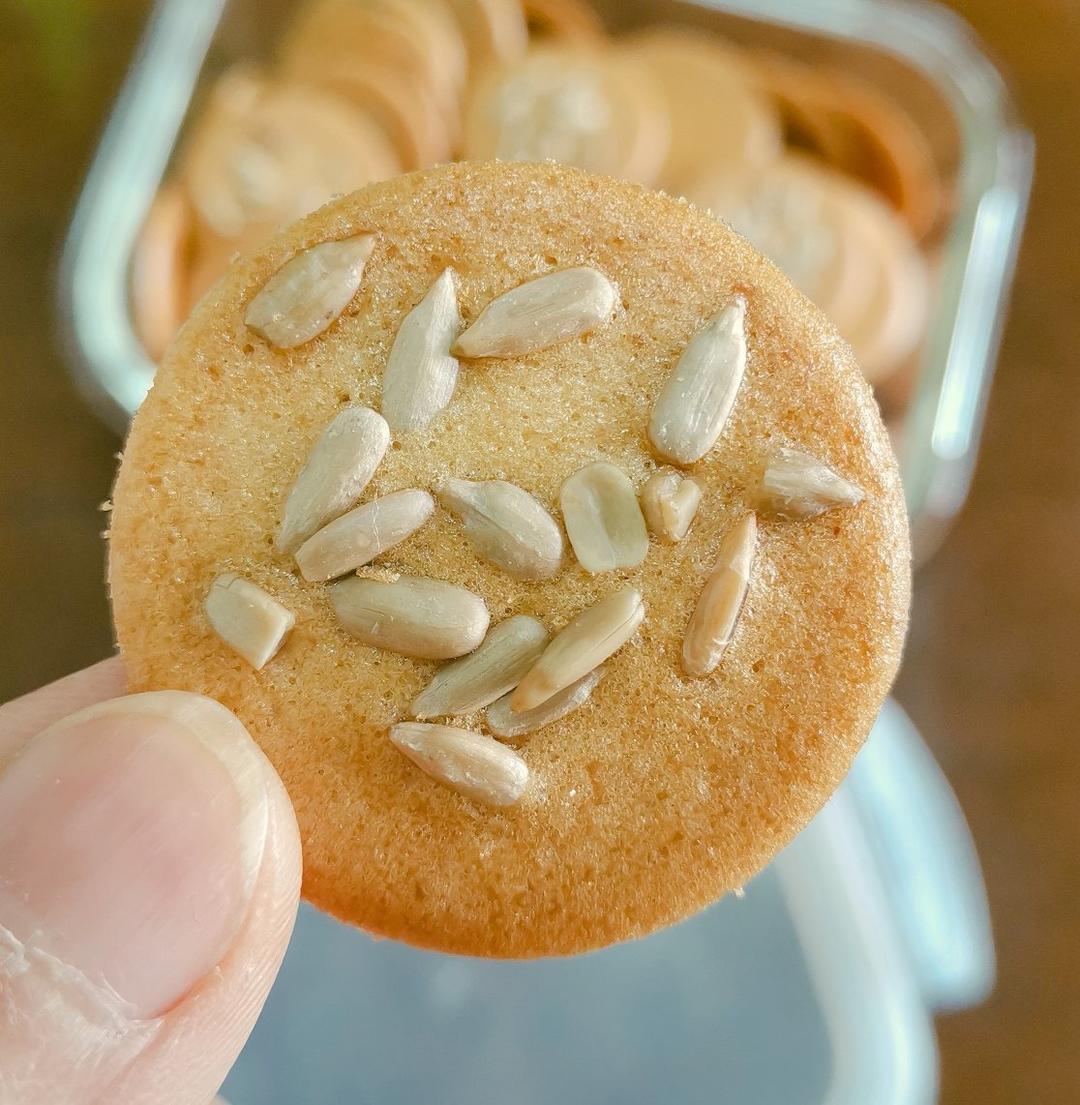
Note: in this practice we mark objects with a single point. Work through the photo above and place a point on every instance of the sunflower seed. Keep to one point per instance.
(338, 469)
(412, 615)
(695, 402)
(797, 485)
(308, 292)
(420, 374)
(670, 501)
(603, 519)
(470, 763)
(246, 618)
(358, 537)
(713, 621)
(507, 723)
(506, 525)
(587, 641)
(495, 668)
(540, 313)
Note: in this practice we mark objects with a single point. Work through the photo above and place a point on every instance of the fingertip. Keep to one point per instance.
(202, 1035)
(149, 872)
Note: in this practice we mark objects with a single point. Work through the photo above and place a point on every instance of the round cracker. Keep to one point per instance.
(594, 109)
(714, 107)
(276, 152)
(662, 792)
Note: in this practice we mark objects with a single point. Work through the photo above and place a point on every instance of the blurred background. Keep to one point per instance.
(829, 138)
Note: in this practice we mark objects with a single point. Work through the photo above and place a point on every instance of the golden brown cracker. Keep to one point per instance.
(662, 792)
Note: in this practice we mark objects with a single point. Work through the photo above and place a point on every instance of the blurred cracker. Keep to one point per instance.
(795, 212)
(894, 324)
(441, 39)
(564, 20)
(494, 31)
(798, 92)
(896, 391)
(405, 110)
(279, 152)
(873, 138)
(345, 34)
(159, 270)
(434, 20)
(715, 108)
(212, 255)
(595, 109)
(840, 244)
(896, 428)
(861, 131)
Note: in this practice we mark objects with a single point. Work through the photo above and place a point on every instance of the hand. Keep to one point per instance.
(149, 877)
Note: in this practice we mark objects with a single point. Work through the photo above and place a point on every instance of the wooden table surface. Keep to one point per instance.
(991, 669)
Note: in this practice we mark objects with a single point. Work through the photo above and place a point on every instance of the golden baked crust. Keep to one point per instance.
(662, 792)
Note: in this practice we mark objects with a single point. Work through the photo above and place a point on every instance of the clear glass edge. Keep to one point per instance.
(106, 357)
(883, 1045)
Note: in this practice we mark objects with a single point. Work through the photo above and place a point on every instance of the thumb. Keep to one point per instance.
(149, 873)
